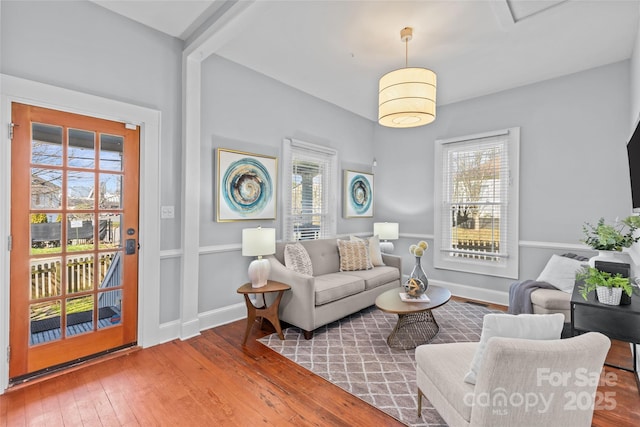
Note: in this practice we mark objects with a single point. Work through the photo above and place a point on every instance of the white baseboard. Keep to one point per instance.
(170, 331)
(487, 295)
(222, 316)
(189, 329)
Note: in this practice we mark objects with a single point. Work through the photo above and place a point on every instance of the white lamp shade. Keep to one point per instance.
(386, 230)
(407, 98)
(258, 241)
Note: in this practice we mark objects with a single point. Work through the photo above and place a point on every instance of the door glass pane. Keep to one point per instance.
(45, 277)
(46, 144)
(110, 269)
(44, 322)
(80, 194)
(79, 315)
(109, 308)
(109, 231)
(110, 191)
(81, 152)
(79, 273)
(46, 188)
(45, 233)
(111, 152)
(80, 232)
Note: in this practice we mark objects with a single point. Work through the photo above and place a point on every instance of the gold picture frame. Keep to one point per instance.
(246, 186)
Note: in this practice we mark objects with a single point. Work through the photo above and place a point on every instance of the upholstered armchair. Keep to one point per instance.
(521, 382)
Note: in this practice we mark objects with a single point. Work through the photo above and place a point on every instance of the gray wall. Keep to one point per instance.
(247, 111)
(84, 47)
(566, 134)
(573, 163)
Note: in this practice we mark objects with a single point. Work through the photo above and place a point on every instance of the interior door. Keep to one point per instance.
(74, 232)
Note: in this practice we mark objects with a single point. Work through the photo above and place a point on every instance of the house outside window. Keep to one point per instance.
(476, 215)
(310, 186)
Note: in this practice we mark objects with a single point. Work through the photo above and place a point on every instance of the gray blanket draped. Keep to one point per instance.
(520, 295)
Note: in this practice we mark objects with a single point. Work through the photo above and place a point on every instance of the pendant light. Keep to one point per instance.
(407, 96)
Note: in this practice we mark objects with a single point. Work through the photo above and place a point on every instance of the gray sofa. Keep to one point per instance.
(329, 294)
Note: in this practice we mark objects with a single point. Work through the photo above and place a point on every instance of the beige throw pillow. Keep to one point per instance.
(373, 243)
(353, 256)
(297, 259)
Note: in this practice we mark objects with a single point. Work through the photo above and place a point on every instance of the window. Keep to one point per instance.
(476, 219)
(310, 188)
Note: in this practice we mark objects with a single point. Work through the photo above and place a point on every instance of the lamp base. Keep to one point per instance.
(259, 272)
(386, 247)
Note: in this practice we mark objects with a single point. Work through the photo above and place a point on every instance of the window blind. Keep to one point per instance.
(474, 220)
(309, 185)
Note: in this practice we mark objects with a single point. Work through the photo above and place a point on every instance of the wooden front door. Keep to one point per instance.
(74, 233)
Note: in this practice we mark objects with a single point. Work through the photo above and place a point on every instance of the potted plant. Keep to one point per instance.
(608, 239)
(608, 287)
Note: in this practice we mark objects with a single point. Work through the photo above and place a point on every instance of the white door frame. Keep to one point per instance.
(13, 89)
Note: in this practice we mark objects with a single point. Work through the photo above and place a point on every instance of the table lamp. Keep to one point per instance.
(258, 242)
(386, 231)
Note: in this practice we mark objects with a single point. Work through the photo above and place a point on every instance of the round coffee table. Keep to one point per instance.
(416, 324)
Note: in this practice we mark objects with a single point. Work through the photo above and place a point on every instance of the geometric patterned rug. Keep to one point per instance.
(353, 354)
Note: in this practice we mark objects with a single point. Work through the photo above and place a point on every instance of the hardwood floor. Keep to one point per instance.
(213, 380)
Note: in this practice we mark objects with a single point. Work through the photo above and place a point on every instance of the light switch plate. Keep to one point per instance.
(167, 212)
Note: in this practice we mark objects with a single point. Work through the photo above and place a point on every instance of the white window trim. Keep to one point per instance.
(510, 268)
(288, 145)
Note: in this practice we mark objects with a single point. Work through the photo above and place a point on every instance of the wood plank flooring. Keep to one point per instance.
(213, 380)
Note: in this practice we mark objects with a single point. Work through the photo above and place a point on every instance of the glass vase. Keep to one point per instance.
(418, 282)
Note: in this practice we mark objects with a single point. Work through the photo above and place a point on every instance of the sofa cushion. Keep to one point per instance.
(527, 326)
(551, 299)
(377, 276)
(353, 255)
(443, 367)
(324, 255)
(373, 244)
(334, 286)
(297, 259)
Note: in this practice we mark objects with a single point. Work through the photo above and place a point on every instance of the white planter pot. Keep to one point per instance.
(609, 296)
(608, 256)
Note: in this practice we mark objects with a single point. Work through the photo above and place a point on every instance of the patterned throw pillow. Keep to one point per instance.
(374, 249)
(354, 256)
(297, 259)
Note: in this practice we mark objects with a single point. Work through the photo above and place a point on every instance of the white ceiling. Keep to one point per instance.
(337, 50)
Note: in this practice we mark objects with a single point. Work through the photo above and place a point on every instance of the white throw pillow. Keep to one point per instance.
(374, 249)
(297, 259)
(527, 326)
(561, 272)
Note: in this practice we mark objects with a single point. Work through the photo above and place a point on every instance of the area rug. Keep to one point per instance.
(353, 354)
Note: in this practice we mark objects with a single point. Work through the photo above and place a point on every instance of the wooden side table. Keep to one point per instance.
(270, 313)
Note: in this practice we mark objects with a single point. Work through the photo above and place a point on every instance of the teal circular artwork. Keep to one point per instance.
(360, 194)
(247, 187)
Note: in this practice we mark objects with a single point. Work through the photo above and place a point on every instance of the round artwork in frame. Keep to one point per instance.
(358, 194)
(246, 186)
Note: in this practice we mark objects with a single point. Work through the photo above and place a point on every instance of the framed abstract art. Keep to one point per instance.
(358, 194)
(246, 186)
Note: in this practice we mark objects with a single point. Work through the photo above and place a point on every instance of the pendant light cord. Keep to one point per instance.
(406, 53)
